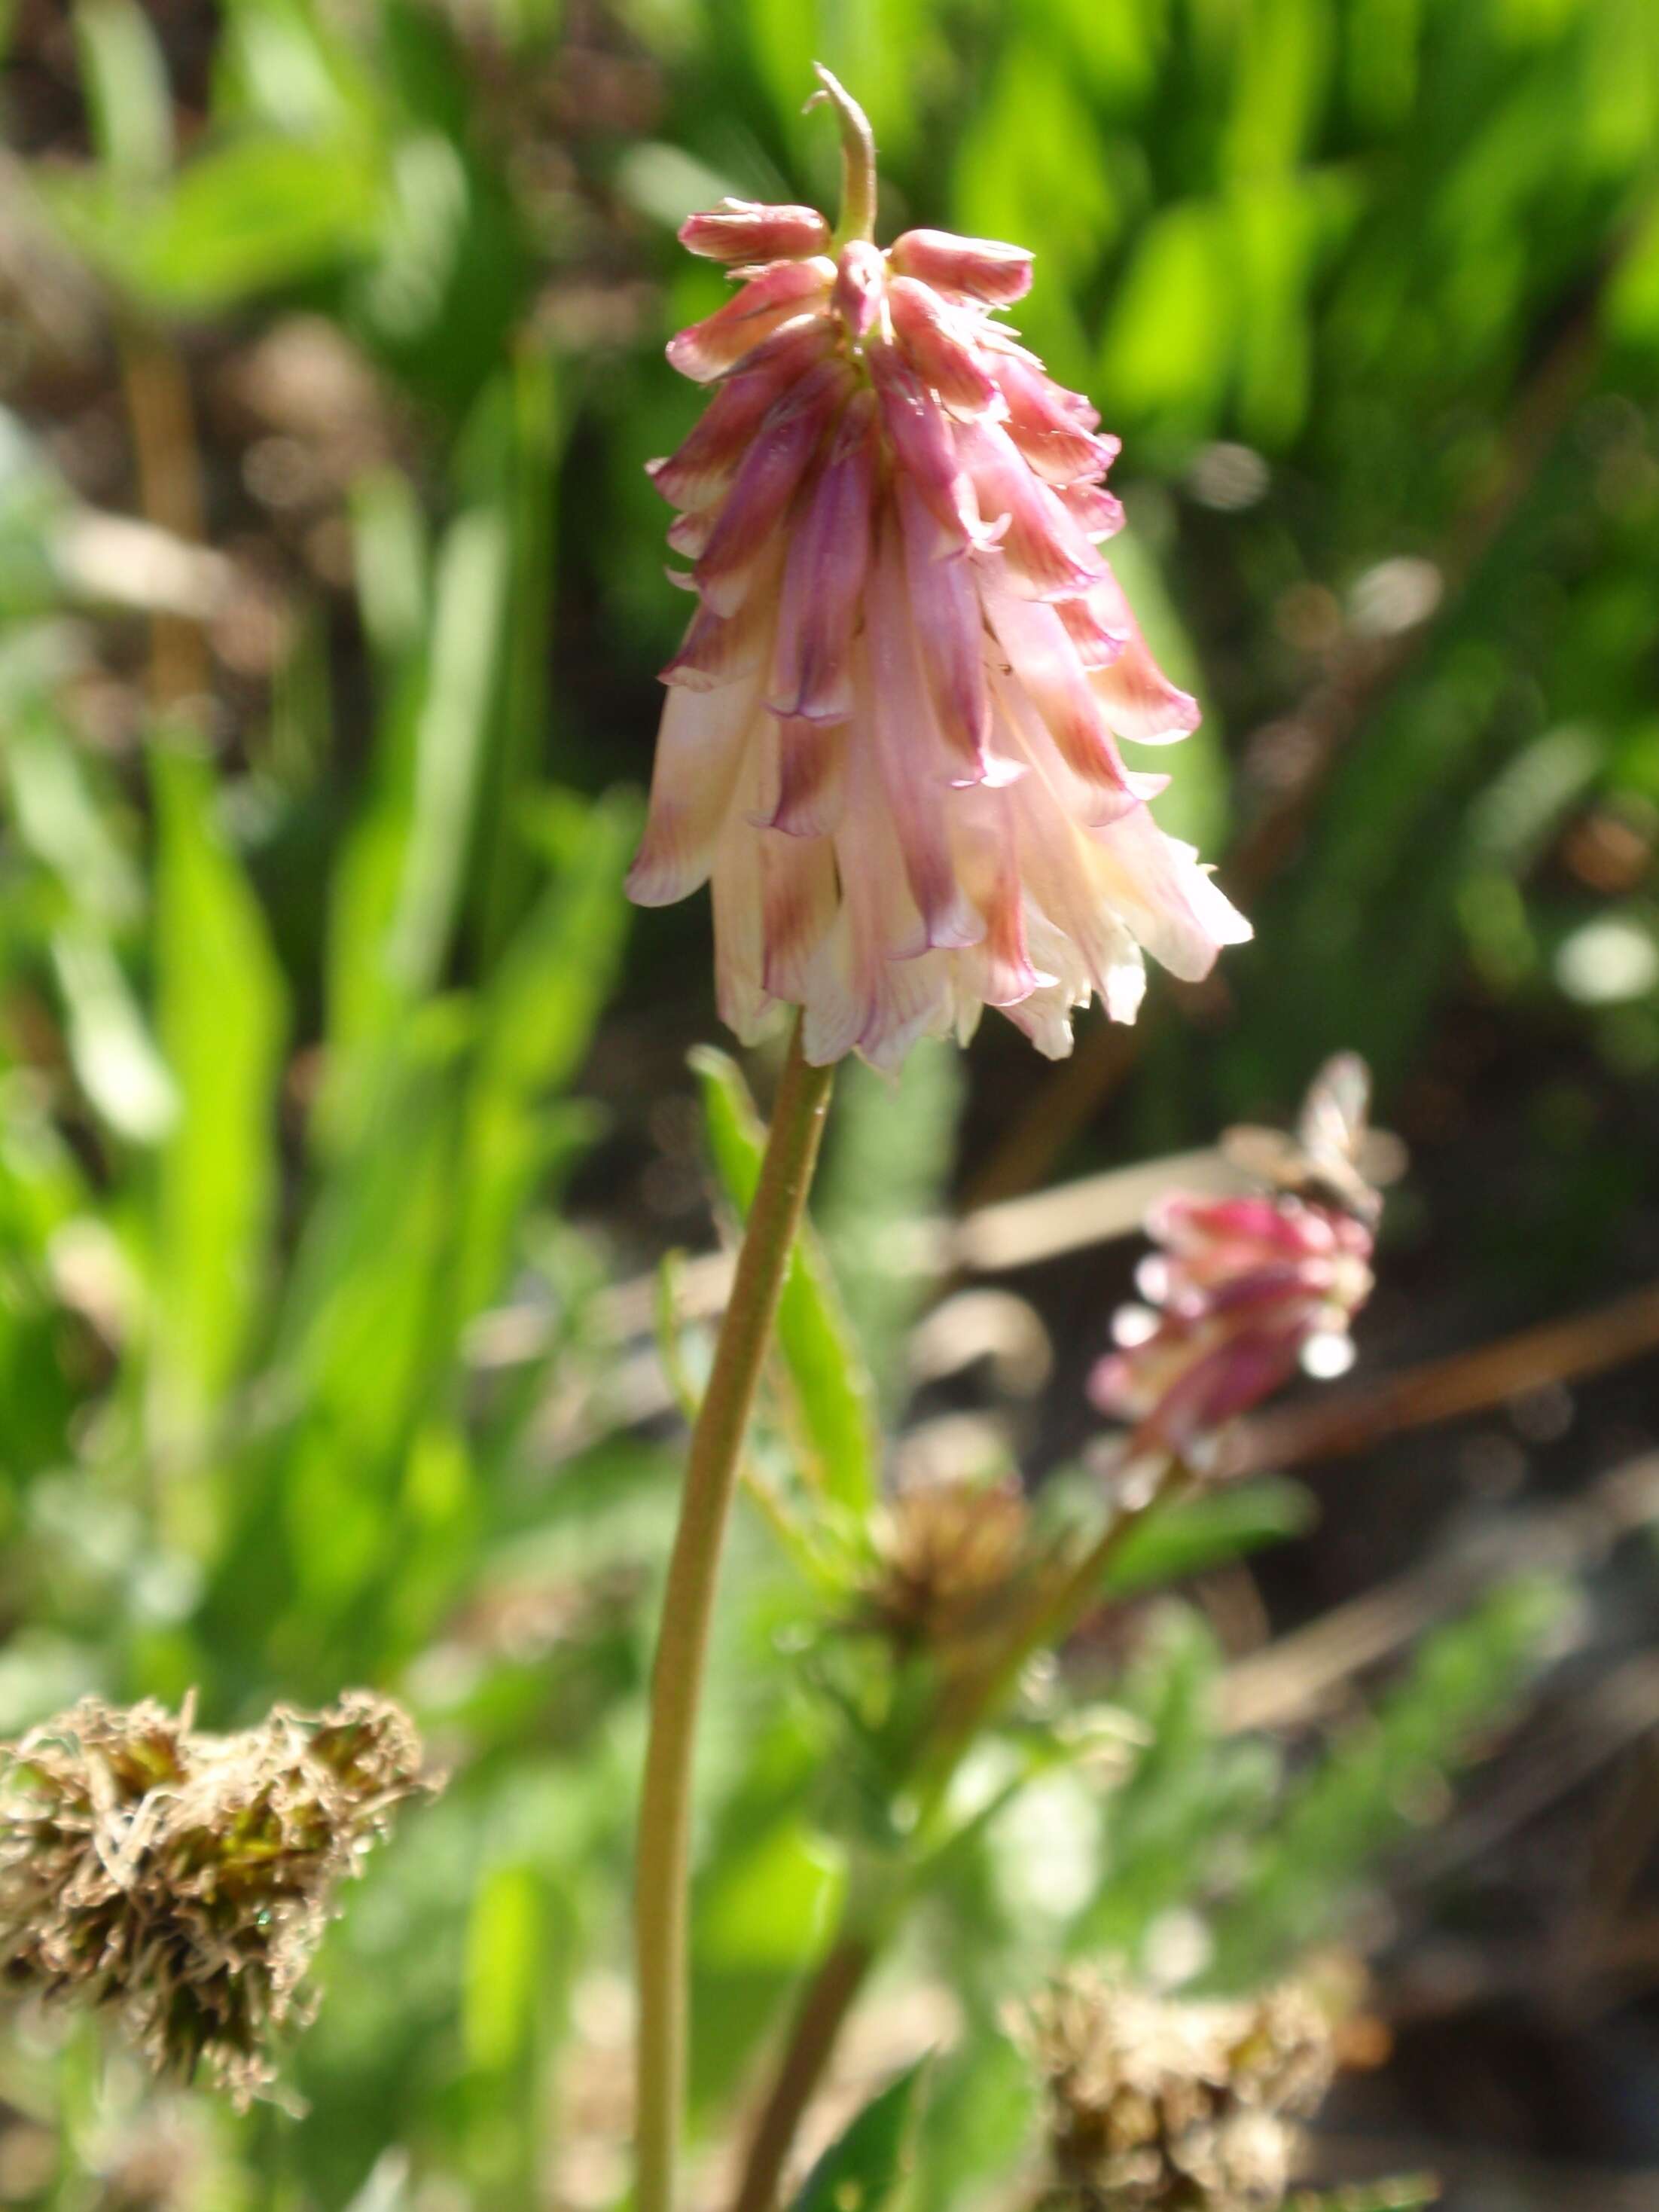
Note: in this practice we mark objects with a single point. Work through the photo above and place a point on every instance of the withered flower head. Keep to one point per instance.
(184, 1880)
(947, 1553)
(1160, 2106)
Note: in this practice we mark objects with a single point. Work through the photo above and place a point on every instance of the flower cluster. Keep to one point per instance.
(184, 1880)
(891, 736)
(1246, 1288)
(1160, 2106)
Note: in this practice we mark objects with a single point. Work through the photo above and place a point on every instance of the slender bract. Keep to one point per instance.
(891, 741)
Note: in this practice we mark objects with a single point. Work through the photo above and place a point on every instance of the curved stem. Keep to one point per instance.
(662, 1917)
(857, 157)
(817, 2030)
(830, 1995)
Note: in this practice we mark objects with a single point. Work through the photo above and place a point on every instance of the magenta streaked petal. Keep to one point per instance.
(749, 230)
(982, 268)
(1045, 1019)
(1006, 973)
(1136, 697)
(719, 649)
(1097, 643)
(808, 797)
(923, 445)
(949, 630)
(938, 348)
(913, 999)
(707, 350)
(705, 464)
(690, 533)
(1044, 666)
(1140, 702)
(1097, 513)
(897, 988)
(771, 473)
(1056, 862)
(832, 1013)
(745, 1004)
(1044, 423)
(900, 713)
(700, 751)
(801, 899)
(823, 577)
(860, 284)
(1045, 550)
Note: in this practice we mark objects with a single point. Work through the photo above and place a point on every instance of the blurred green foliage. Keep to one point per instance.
(310, 1370)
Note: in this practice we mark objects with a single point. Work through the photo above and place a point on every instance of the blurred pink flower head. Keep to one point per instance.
(892, 736)
(1245, 1290)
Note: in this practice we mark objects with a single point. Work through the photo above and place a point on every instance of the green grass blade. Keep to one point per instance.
(469, 602)
(221, 1017)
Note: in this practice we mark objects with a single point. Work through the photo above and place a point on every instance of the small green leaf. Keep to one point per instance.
(834, 1392)
(1192, 1534)
(469, 606)
(1171, 340)
(252, 215)
(221, 1015)
(862, 2169)
(390, 563)
(129, 103)
(504, 1959)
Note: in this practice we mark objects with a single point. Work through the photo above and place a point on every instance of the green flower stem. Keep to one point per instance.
(663, 1860)
(829, 1996)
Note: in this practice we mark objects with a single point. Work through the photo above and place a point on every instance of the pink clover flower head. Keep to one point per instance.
(1244, 1289)
(1239, 1292)
(891, 738)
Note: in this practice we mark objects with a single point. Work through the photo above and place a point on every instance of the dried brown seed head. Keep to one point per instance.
(183, 1879)
(1157, 2106)
(947, 1556)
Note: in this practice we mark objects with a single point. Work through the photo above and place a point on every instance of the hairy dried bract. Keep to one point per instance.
(1157, 2106)
(183, 1881)
(949, 1557)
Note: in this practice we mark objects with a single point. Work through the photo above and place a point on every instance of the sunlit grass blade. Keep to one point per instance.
(536, 1022)
(469, 606)
(220, 1016)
